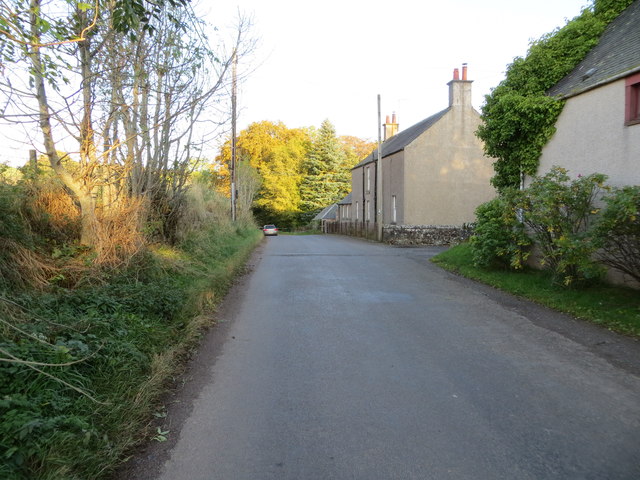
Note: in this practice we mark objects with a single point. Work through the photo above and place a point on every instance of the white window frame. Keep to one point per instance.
(394, 213)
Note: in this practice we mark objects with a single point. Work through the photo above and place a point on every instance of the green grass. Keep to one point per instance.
(132, 333)
(612, 307)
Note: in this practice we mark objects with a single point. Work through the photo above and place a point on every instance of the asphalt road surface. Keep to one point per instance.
(339, 358)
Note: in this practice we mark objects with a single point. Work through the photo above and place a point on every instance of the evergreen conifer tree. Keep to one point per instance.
(325, 178)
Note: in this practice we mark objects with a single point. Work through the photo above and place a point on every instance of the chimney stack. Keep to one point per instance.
(460, 90)
(390, 128)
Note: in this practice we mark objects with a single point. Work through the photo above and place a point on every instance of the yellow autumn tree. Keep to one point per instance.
(276, 152)
(356, 149)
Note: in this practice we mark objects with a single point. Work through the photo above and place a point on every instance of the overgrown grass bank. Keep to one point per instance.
(615, 308)
(88, 364)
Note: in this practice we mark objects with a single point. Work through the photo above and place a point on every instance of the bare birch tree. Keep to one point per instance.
(133, 104)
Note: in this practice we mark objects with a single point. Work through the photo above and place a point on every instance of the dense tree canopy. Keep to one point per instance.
(302, 170)
(277, 153)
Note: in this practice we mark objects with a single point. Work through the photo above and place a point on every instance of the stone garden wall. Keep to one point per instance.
(426, 234)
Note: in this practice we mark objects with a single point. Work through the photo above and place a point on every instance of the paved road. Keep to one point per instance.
(344, 359)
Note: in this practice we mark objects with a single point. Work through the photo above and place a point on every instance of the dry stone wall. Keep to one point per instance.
(426, 234)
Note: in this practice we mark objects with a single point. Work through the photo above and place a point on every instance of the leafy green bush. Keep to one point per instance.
(499, 238)
(87, 351)
(617, 232)
(559, 213)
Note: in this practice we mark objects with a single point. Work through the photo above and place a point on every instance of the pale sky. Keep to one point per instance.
(330, 59)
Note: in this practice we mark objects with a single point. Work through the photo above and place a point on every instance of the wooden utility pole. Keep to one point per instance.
(33, 161)
(379, 202)
(234, 86)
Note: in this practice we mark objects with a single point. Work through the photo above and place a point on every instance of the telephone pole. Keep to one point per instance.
(234, 87)
(379, 209)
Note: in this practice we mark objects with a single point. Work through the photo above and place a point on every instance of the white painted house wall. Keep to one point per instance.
(591, 137)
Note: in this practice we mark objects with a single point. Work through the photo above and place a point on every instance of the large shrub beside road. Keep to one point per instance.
(617, 232)
(499, 238)
(559, 213)
(577, 225)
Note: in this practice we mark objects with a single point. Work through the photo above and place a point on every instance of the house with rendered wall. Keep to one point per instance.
(599, 127)
(344, 208)
(598, 130)
(434, 173)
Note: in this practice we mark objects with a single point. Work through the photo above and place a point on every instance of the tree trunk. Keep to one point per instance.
(87, 203)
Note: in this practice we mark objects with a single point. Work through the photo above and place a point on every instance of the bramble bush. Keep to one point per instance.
(499, 239)
(617, 232)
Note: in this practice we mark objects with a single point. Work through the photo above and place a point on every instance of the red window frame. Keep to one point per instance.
(632, 100)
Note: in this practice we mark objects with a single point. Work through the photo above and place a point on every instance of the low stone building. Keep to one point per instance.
(326, 218)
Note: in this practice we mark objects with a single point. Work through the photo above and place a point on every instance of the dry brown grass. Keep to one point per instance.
(120, 232)
(61, 213)
(53, 213)
(202, 207)
(23, 267)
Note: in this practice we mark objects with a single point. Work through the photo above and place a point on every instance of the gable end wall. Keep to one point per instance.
(446, 173)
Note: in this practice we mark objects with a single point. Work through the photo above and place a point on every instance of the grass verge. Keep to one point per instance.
(90, 363)
(612, 307)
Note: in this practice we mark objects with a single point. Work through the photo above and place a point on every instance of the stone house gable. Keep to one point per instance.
(433, 173)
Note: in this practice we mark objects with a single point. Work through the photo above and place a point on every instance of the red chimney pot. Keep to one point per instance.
(456, 74)
(464, 71)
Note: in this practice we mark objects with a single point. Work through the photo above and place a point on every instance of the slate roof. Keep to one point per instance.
(400, 140)
(328, 213)
(346, 200)
(616, 55)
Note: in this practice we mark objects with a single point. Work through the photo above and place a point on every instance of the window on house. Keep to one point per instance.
(367, 212)
(393, 209)
(368, 179)
(632, 100)
(357, 211)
